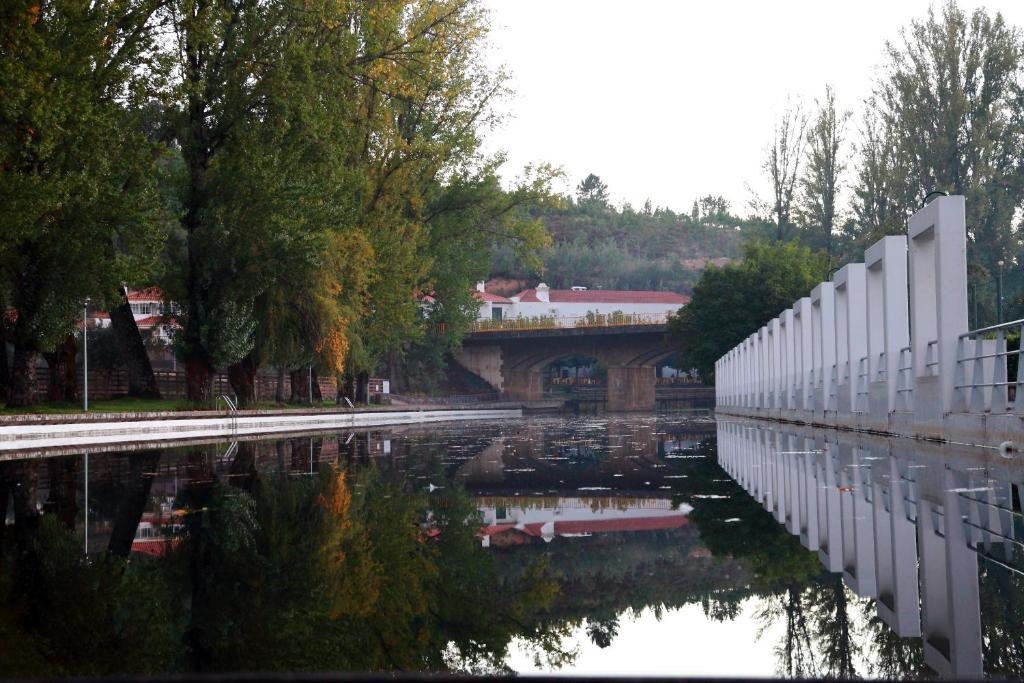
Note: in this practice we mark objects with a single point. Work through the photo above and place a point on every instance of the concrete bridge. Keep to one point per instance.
(513, 361)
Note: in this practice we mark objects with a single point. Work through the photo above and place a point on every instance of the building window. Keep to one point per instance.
(495, 313)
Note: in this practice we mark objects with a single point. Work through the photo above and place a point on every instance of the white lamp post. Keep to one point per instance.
(85, 355)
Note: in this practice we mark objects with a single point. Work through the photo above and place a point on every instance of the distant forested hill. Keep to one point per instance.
(598, 245)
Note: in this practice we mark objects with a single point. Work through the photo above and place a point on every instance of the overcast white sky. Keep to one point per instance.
(675, 99)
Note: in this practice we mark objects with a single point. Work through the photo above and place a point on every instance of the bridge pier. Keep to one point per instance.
(631, 388)
(525, 386)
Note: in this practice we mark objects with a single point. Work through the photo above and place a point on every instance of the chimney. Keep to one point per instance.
(542, 293)
(481, 286)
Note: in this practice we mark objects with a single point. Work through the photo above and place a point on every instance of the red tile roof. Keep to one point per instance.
(606, 296)
(487, 296)
(155, 321)
(147, 294)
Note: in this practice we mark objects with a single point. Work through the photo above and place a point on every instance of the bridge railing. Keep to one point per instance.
(569, 321)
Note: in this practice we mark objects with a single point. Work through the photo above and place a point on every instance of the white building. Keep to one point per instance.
(577, 303)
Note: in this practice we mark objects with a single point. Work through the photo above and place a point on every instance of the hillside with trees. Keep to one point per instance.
(596, 244)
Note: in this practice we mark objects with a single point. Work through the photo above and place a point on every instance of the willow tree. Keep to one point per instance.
(81, 214)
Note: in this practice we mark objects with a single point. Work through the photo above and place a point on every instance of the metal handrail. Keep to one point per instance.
(992, 328)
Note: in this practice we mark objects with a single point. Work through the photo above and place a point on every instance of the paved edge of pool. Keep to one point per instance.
(224, 425)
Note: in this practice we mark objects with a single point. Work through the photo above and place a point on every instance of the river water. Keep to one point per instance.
(666, 545)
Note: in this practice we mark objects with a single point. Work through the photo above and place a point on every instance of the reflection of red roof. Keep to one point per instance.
(487, 296)
(151, 321)
(597, 526)
(606, 296)
(154, 546)
(147, 294)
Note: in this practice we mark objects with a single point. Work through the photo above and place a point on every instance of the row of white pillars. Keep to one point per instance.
(847, 348)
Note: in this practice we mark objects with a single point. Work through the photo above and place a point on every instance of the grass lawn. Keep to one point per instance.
(141, 405)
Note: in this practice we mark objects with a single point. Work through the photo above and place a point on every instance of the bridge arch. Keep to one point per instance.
(629, 352)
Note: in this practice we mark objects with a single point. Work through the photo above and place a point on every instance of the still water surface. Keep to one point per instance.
(665, 545)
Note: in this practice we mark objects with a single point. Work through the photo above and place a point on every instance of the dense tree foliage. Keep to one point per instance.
(293, 175)
(731, 302)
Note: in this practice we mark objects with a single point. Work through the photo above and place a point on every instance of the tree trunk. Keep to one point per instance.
(63, 386)
(242, 376)
(279, 394)
(317, 395)
(199, 381)
(363, 387)
(346, 388)
(300, 386)
(5, 368)
(133, 503)
(25, 484)
(128, 339)
(63, 490)
(23, 377)
(242, 470)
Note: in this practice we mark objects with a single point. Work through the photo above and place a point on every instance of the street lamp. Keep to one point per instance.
(85, 355)
(999, 291)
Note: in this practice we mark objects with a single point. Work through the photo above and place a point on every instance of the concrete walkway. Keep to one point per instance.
(84, 430)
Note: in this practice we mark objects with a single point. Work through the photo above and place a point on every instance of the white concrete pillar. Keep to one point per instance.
(776, 361)
(802, 315)
(851, 331)
(823, 314)
(938, 290)
(765, 369)
(888, 317)
(789, 357)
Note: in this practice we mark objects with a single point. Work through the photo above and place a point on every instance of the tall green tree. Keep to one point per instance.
(80, 209)
(951, 99)
(782, 166)
(823, 170)
(731, 302)
(592, 190)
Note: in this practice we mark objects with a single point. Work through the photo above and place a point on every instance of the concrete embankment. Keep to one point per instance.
(36, 432)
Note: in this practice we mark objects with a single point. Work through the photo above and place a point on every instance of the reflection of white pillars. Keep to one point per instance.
(793, 516)
(802, 316)
(938, 290)
(950, 604)
(851, 331)
(809, 513)
(888, 312)
(830, 532)
(895, 554)
(779, 477)
(859, 570)
(823, 333)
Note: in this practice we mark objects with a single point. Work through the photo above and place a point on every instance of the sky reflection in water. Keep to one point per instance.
(575, 545)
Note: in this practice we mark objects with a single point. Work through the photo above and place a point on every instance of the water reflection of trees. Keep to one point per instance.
(342, 570)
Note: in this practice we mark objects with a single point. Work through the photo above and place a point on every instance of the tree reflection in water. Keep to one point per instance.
(341, 570)
(281, 562)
